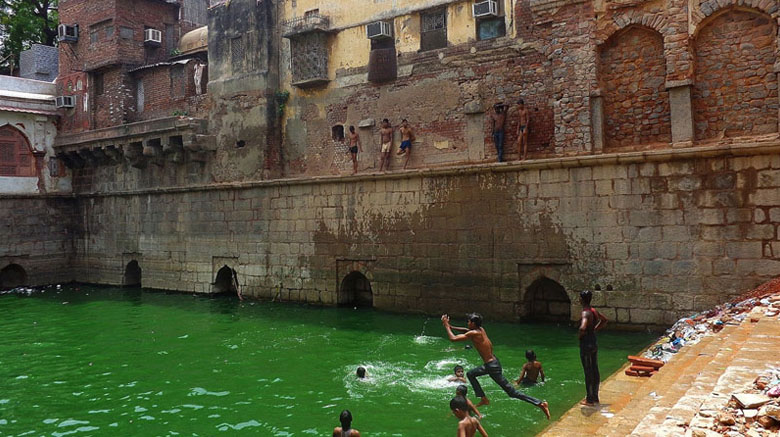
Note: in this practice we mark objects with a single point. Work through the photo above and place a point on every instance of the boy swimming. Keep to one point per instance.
(458, 376)
(531, 370)
(462, 391)
(467, 425)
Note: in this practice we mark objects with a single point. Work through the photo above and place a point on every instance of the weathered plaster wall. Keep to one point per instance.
(38, 234)
(666, 232)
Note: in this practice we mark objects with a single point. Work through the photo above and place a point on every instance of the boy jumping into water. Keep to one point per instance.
(467, 425)
(458, 376)
(461, 392)
(476, 333)
(531, 370)
(592, 321)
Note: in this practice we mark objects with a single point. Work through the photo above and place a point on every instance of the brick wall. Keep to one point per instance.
(170, 89)
(632, 76)
(660, 238)
(117, 104)
(735, 90)
(38, 235)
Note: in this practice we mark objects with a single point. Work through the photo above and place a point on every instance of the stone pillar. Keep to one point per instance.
(681, 112)
(597, 121)
(475, 130)
(777, 75)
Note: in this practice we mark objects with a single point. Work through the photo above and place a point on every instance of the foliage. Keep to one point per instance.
(175, 52)
(24, 22)
(179, 113)
(281, 99)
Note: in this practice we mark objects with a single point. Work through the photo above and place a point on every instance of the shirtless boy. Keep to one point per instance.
(407, 137)
(591, 322)
(476, 333)
(532, 370)
(458, 375)
(387, 143)
(467, 425)
(354, 146)
(522, 128)
(345, 430)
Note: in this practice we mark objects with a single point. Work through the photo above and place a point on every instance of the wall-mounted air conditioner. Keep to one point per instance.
(152, 37)
(379, 30)
(66, 33)
(65, 101)
(487, 8)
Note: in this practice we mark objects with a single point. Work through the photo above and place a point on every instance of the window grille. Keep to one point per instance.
(434, 30)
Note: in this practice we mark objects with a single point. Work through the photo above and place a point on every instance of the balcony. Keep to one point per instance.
(310, 22)
(157, 141)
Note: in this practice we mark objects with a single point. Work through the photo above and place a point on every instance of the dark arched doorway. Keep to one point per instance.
(356, 291)
(547, 301)
(224, 283)
(12, 276)
(132, 277)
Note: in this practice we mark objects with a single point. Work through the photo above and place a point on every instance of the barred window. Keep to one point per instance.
(237, 54)
(16, 157)
(433, 33)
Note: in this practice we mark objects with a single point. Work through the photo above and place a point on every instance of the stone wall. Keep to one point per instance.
(632, 79)
(38, 234)
(661, 234)
(735, 91)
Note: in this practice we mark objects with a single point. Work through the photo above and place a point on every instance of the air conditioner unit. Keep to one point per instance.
(487, 8)
(65, 101)
(67, 33)
(152, 37)
(379, 30)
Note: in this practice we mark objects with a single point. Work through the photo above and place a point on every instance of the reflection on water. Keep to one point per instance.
(104, 361)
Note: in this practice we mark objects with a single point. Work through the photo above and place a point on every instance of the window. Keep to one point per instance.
(337, 132)
(126, 32)
(490, 28)
(98, 84)
(93, 37)
(16, 158)
(237, 53)
(433, 34)
(139, 95)
(170, 40)
(109, 31)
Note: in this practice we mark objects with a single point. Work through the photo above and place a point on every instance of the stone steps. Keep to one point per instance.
(700, 377)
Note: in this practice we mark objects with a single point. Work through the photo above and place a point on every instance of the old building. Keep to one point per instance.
(653, 174)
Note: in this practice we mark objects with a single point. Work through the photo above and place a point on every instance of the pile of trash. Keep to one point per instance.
(29, 291)
(754, 411)
(690, 330)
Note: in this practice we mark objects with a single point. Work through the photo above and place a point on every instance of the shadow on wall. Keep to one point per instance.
(547, 301)
(132, 276)
(356, 291)
(12, 276)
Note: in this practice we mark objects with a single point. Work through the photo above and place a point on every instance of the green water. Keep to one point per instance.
(114, 362)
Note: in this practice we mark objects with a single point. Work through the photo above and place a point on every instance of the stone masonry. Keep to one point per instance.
(661, 234)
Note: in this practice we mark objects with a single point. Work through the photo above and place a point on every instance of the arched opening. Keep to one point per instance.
(632, 78)
(12, 276)
(356, 291)
(224, 283)
(735, 84)
(16, 156)
(547, 301)
(132, 277)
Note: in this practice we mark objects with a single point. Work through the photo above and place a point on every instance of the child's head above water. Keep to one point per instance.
(530, 355)
(462, 390)
(458, 371)
(459, 406)
(361, 372)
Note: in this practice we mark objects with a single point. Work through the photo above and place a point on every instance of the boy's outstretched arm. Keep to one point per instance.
(481, 429)
(473, 408)
(522, 375)
(445, 320)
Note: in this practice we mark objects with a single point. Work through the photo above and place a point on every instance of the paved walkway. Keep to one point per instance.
(698, 377)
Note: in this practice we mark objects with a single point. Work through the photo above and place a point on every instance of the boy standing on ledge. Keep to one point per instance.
(476, 333)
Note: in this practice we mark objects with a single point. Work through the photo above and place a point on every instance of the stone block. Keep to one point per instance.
(760, 232)
(646, 316)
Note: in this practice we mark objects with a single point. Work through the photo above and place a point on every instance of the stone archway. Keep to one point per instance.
(12, 276)
(355, 290)
(224, 282)
(132, 276)
(547, 301)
